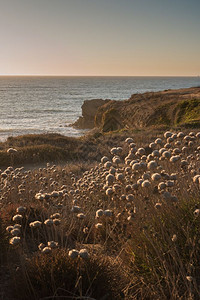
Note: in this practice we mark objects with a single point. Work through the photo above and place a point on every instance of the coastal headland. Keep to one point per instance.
(179, 107)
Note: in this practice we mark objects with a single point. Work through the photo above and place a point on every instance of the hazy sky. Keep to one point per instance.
(100, 37)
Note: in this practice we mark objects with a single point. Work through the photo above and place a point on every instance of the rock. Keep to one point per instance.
(89, 110)
(111, 121)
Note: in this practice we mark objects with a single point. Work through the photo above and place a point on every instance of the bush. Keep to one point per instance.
(55, 275)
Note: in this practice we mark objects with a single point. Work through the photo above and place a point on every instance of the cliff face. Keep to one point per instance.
(89, 110)
(169, 108)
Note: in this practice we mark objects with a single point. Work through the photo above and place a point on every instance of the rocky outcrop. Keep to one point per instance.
(166, 108)
(89, 110)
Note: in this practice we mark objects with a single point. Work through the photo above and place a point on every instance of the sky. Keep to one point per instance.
(100, 37)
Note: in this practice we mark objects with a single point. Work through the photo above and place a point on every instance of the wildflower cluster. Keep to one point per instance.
(122, 203)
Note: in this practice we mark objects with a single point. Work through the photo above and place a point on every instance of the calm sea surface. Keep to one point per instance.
(48, 104)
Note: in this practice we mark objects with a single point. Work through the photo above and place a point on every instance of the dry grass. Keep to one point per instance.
(54, 148)
(58, 276)
(144, 244)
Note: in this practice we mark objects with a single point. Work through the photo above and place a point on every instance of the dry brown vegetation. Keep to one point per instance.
(136, 213)
(33, 149)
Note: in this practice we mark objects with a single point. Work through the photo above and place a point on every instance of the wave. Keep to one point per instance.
(6, 130)
(40, 111)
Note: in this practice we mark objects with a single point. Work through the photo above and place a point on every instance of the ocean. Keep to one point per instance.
(50, 104)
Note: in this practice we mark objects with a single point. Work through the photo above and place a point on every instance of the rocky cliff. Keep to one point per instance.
(89, 110)
(168, 108)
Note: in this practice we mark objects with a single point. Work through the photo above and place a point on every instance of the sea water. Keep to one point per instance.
(50, 104)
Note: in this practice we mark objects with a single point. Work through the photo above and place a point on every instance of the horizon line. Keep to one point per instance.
(52, 75)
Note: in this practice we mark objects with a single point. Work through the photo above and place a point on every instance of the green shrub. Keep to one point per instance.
(189, 112)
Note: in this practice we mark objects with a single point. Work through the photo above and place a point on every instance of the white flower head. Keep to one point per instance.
(174, 238)
(56, 222)
(158, 205)
(81, 216)
(73, 253)
(17, 218)
(146, 184)
(108, 213)
(35, 224)
(46, 250)
(48, 222)
(11, 151)
(99, 213)
(189, 278)
(21, 209)
(41, 246)
(76, 209)
(98, 225)
(15, 240)
(9, 228)
(52, 244)
(197, 212)
(152, 165)
(156, 177)
(84, 253)
(15, 232)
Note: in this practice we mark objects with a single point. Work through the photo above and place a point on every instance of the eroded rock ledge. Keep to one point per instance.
(89, 110)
